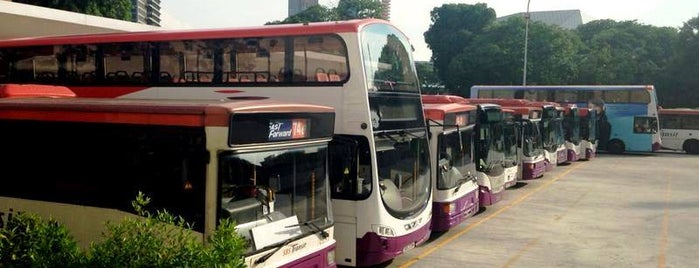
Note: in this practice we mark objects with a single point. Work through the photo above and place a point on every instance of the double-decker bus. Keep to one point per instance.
(261, 163)
(455, 185)
(680, 129)
(490, 148)
(379, 159)
(588, 133)
(619, 109)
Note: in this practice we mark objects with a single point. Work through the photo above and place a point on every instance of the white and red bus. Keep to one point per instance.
(379, 162)
(261, 163)
(588, 133)
(455, 185)
(571, 124)
(532, 162)
(552, 135)
(491, 164)
(680, 129)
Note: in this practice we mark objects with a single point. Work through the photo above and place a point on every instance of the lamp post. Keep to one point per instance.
(526, 40)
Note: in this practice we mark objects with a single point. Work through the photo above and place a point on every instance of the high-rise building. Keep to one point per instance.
(296, 6)
(146, 12)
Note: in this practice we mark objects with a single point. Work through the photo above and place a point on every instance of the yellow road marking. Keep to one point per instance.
(664, 230)
(521, 252)
(432, 248)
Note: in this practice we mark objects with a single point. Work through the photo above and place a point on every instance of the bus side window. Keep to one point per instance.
(350, 169)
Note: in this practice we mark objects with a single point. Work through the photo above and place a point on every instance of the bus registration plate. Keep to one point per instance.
(408, 247)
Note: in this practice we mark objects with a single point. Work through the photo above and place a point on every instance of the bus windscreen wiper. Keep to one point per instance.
(313, 226)
(270, 254)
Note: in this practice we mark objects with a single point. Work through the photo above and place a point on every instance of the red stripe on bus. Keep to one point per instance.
(111, 117)
(105, 92)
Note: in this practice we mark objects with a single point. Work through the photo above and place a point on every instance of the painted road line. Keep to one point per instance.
(664, 228)
(432, 248)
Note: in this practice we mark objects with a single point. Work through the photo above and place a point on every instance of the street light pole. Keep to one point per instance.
(526, 40)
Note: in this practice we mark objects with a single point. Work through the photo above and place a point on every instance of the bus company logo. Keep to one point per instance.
(412, 224)
(288, 129)
(293, 248)
(670, 134)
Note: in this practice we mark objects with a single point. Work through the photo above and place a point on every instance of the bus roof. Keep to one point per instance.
(543, 103)
(143, 112)
(522, 110)
(443, 99)
(568, 87)
(583, 111)
(679, 111)
(29, 91)
(437, 111)
(258, 31)
(501, 102)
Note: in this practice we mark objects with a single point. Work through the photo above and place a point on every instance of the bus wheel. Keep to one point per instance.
(616, 146)
(691, 146)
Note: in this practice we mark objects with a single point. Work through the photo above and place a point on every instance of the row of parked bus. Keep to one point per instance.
(316, 172)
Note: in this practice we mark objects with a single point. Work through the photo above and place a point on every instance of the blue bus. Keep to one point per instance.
(627, 115)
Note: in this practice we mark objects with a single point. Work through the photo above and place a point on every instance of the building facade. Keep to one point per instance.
(146, 12)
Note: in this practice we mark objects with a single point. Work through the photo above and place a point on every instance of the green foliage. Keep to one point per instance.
(153, 240)
(359, 9)
(29, 241)
(680, 87)
(345, 10)
(116, 9)
(431, 84)
(454, 28)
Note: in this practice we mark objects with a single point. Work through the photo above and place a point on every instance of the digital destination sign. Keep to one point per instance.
(288, 129)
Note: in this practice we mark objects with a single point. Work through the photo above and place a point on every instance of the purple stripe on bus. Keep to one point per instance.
(487, 198)
(589, 153)
(529, 172)
(562, 156)
(317, 259)
(572, 156)
(373, 249)
(466, 206)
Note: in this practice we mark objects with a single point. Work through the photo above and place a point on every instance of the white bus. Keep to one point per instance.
(455, 184)
(680, 129)
(261, 163)
(379, 162)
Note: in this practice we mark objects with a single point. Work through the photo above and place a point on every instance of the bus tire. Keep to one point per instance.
(616, 147)
(691, 146)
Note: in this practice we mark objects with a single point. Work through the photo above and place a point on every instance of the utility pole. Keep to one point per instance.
(526, 41)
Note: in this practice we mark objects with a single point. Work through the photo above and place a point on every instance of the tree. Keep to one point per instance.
(116, 9)
(679, 85)
(429, 81)
(624, 52)
(453, 28)
(312, 14)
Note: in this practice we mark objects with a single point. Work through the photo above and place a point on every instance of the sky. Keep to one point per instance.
(413, 16)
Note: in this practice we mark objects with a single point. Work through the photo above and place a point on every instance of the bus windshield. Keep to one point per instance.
(510, 151)
(263, 187)
(532, 139)
(403, 167)
(454, 158)
(491, 146)
(387, 60)
(548, 134)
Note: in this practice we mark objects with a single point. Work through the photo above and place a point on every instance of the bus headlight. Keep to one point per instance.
(449, 208)
(331, 257)
(383, 230)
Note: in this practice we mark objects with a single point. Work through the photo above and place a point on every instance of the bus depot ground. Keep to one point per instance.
(630, 210)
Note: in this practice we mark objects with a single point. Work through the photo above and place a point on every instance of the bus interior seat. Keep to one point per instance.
(321, 76)
(260, 78)
(333, 76)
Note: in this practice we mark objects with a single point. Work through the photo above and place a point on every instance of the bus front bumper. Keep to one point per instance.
(443, 219)
(373, 249)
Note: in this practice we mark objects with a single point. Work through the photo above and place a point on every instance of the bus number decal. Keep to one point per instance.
(412, 224)
(288, 129)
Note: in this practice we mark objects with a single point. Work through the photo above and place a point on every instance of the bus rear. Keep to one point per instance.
(262, 164)
(454, 184)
